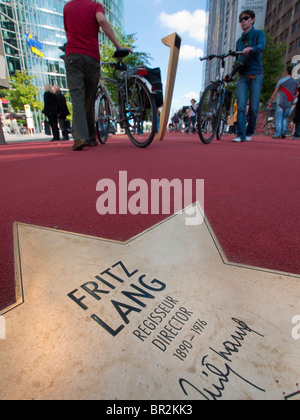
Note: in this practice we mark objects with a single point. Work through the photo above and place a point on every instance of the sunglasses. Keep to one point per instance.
(245, 18)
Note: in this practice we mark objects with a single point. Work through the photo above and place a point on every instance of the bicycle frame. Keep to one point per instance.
(122, 84)
(212, 116)
(106, 92)
(220, 82)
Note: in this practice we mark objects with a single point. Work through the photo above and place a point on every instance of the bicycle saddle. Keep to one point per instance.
(121, 54)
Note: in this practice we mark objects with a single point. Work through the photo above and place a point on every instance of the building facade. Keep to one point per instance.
(283, 24)
(3, 67)
(280, 18)
(216, 37)
(224, 29)
(32, 32)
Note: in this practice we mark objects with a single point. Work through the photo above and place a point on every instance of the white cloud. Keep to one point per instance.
(185, 22)
(189, 52)
(191, 95)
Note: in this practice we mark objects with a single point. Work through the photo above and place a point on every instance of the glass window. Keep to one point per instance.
(42, 19)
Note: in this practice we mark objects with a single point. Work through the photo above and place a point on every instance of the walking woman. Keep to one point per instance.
(51, 110)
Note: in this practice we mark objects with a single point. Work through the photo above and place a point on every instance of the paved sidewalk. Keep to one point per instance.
(13, 138)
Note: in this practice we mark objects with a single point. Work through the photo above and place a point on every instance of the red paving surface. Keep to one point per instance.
(252, 197)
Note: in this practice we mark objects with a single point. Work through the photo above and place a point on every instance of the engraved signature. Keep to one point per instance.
(220, 378)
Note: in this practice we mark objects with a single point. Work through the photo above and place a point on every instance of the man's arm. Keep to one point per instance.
(273, 96)
(107, 29)
(261, 43)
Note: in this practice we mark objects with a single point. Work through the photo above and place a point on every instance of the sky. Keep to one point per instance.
(152, 20)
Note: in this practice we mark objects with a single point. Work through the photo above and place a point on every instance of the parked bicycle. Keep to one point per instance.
(136, 111)
(214, 106)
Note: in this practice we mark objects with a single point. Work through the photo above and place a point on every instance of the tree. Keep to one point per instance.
(138, 59)
(273, 65)
(23, 92)
(70, 107)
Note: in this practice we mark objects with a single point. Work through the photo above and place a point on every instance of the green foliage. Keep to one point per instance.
(70, 107)
(273, 65)
(23, 92)
(133, 60)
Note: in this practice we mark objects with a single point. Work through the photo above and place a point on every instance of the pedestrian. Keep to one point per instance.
(230, 123)
(175, 120)
(186, 119)
(286, 91)
(192, 115)
(82, 21)
(2, 132)
(249, 66)
(297, 117)
(235, 114)
(15, 127)
(63, 112)
(51, 110)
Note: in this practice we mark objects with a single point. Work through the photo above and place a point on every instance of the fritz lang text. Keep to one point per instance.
(133, 299)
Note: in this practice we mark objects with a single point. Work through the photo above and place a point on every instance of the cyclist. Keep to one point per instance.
(249, 66)
(82, 20)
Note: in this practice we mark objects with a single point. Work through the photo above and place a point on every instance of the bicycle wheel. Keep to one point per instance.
(102, 117)
(209, 113)
(269, 128)
(139, 113)
(222, 122)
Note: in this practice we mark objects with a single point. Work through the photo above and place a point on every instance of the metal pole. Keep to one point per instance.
(2, 137)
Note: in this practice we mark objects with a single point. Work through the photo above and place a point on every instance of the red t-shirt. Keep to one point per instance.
(82, 27)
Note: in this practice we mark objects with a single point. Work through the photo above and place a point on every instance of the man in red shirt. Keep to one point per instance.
(82, 20)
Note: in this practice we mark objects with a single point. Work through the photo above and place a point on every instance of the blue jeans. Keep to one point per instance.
(281, 115)
(193, 123)
(253, 86)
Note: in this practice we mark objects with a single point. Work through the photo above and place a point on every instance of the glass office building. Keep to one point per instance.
(32, 32)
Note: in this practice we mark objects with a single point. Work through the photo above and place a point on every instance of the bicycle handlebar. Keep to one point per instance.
(222, 56)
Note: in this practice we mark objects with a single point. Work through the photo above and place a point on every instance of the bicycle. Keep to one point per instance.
(270, 128)
(214, 104)
(137, 110)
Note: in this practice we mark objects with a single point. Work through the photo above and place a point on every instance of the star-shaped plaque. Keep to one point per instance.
(162, 316)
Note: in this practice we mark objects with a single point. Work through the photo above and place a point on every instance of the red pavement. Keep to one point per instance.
(252, 197)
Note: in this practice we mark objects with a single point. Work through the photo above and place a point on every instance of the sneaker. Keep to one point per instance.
(275, 137)
(248, 138)
(283, 136)
(237, 140)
